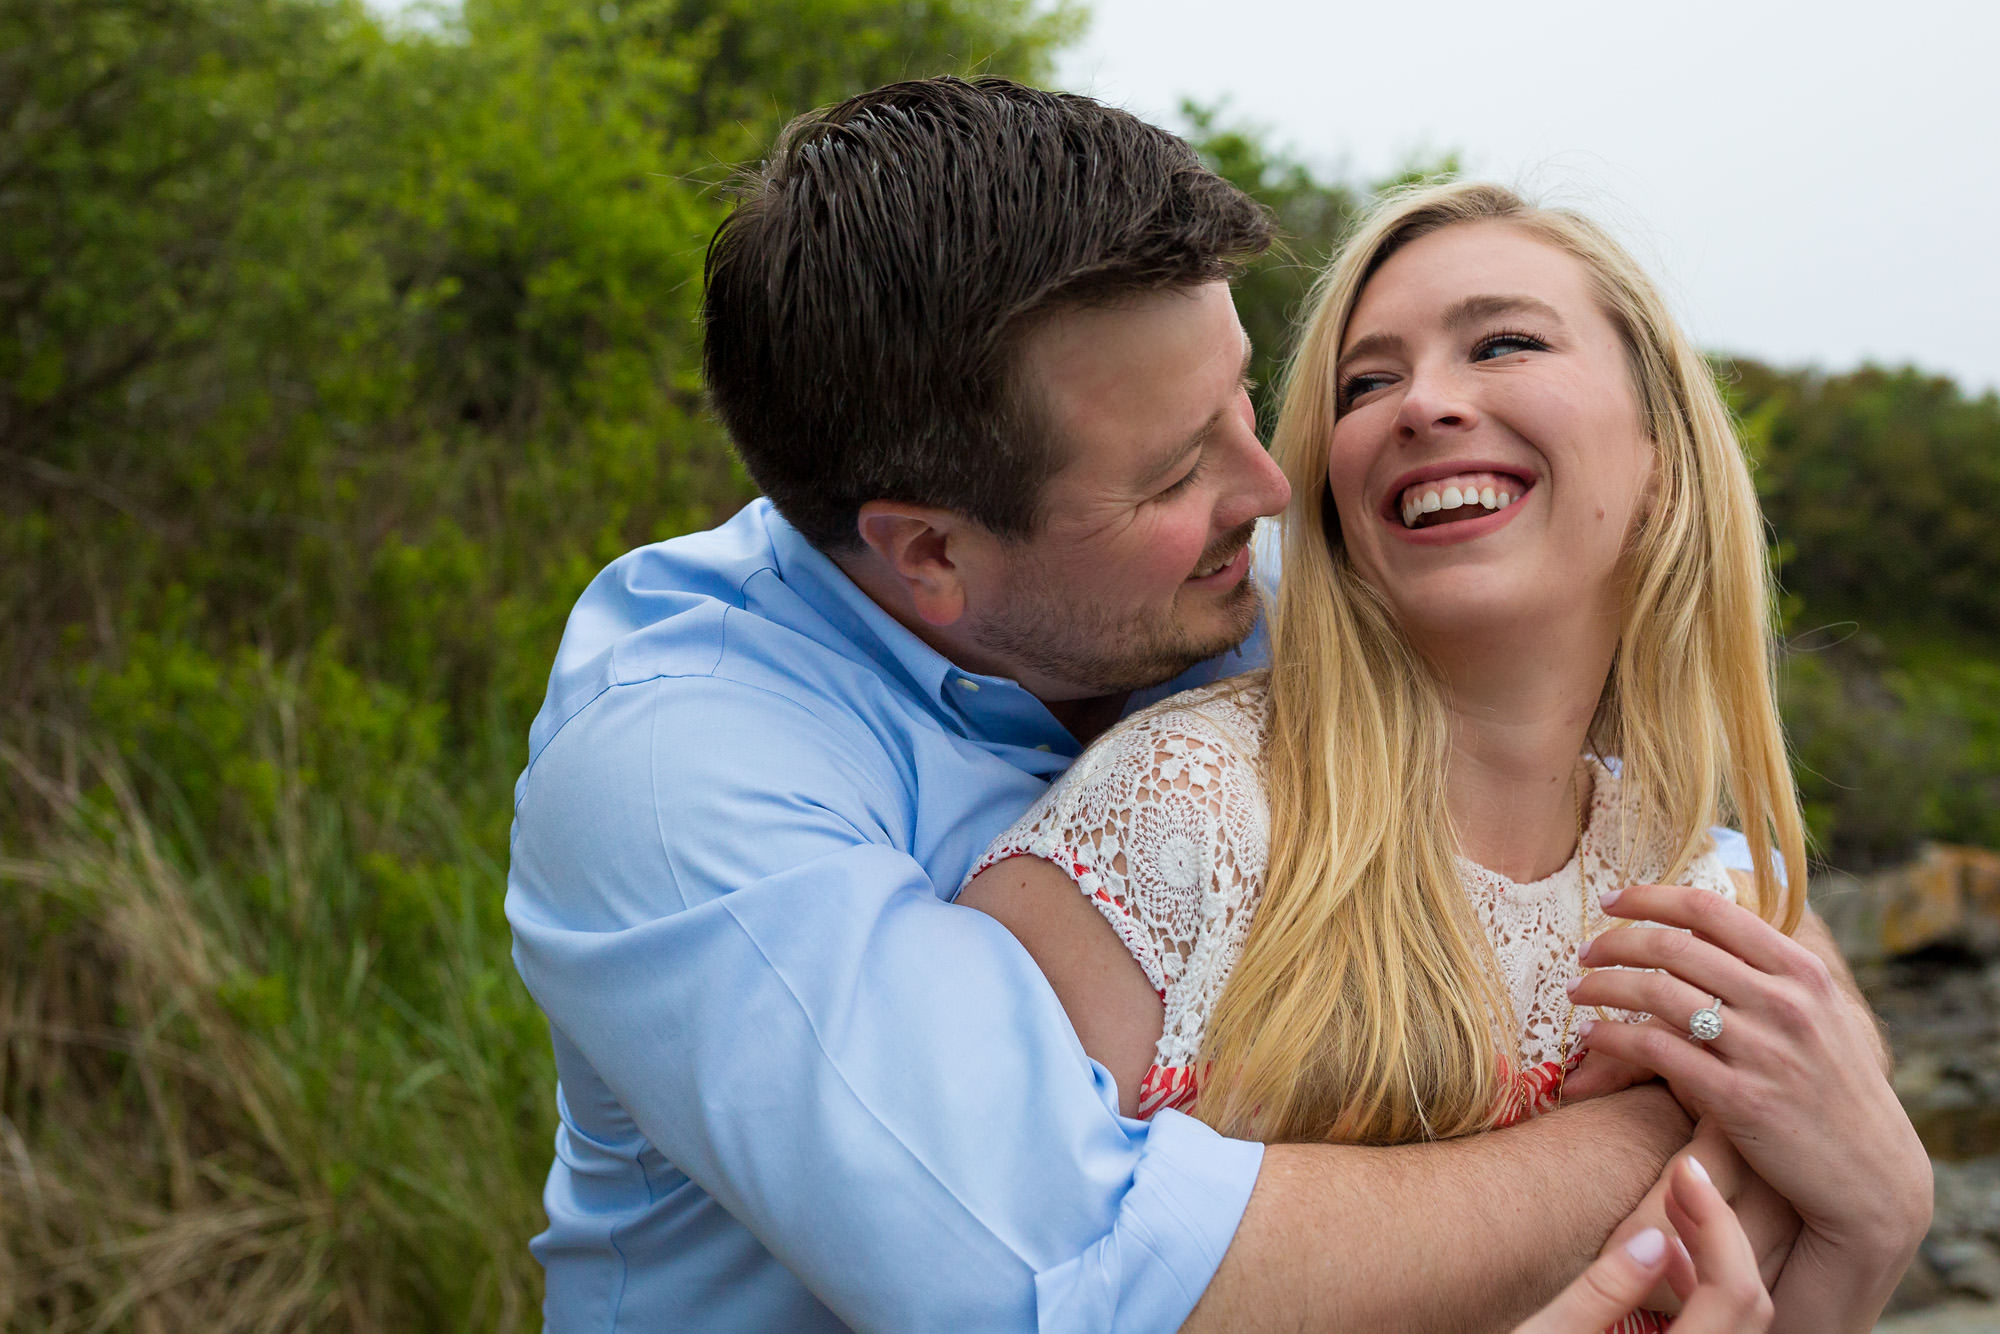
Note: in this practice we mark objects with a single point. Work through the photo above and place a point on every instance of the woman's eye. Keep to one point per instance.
(1354, 386)
(1500, 345)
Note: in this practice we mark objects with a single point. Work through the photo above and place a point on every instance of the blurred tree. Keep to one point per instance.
(378, 343)
(1881, 483)
(1877, 484)
(337, 358)
(1313, 214)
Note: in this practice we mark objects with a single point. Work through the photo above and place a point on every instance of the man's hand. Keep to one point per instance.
(1795, 1078)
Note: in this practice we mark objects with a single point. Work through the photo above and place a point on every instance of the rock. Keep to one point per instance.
(1967, 1265)
(1918, 1077)
(1852, 913)
(1963, 1317)
(1920, 1287)
(1948, 897)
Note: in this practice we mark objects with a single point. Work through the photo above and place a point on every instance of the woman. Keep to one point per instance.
(1349, 894)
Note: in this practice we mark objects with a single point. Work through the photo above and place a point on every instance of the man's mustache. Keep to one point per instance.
(1226, 549)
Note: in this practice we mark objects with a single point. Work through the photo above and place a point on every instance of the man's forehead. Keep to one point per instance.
(1149, 370)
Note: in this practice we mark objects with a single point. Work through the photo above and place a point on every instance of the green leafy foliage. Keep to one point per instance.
(1881, 483)
(339, 357)
(1878, 484)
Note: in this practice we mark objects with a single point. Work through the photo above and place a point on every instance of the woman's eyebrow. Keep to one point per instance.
(1473, 309)
(1368, 345)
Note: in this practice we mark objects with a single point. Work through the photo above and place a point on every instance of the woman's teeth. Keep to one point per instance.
(1483, 491)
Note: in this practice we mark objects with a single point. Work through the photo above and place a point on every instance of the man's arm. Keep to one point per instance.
(710, 903)
(1468, 1234)
(1814, 935)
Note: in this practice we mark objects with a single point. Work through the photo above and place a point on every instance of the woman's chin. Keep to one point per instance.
(1472, 605)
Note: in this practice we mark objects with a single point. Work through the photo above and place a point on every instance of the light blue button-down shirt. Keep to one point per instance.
(798, 1087)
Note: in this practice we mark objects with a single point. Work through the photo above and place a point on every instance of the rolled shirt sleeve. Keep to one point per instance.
(724, 926)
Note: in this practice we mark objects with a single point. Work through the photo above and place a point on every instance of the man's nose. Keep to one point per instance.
(1261, 489)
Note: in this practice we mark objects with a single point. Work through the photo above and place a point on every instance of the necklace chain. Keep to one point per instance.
(1563, 1045)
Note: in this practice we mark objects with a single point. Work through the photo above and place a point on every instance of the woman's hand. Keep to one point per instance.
(1716, 1278)
(1766, 1218)
(1794, 1078)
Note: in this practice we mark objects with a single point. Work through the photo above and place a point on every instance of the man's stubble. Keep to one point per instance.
(1104, 650)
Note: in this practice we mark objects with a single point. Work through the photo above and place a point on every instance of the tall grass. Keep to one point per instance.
(235, 1093)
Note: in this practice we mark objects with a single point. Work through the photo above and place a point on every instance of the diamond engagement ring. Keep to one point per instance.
(1706, 1025)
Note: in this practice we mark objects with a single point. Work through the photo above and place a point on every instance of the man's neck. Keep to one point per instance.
(1085, 719)
(1088, 719)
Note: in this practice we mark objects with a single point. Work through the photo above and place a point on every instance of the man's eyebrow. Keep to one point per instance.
(1167, 461)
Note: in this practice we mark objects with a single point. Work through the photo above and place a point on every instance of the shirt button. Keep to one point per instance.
(969, 685)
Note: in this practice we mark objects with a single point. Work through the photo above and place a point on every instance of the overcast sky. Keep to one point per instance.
(1815, 183)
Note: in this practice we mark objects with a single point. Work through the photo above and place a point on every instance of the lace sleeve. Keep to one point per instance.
(1163, 825)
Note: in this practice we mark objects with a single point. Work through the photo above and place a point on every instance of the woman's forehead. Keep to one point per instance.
(1471, 270)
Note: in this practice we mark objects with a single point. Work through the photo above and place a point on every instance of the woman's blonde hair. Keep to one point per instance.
(1366, 1007)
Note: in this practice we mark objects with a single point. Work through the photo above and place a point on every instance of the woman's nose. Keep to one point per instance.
(1435, 403)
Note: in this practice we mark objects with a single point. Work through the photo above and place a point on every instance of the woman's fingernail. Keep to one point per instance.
(1610, 896)
(1647, 1248)
(1583, 950)
(1583, 1030)
(1571, 985)
(1694, 1165)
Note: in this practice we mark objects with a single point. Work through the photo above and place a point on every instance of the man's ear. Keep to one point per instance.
(922, 549)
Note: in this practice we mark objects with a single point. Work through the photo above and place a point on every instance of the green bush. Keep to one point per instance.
(339, 357)
(1894, 746)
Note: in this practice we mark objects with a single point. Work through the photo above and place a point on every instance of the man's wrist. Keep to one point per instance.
(1657, 1121)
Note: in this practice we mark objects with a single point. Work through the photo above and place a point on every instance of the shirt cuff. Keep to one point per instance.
(1173, 1225)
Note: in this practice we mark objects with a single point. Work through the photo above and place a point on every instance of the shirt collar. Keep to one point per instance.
(981, 707)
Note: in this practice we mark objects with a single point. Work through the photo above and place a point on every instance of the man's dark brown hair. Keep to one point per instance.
(867, 297)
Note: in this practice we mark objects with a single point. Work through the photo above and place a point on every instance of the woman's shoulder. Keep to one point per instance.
(1209, 740)
(1163, 822)
(1230, 717)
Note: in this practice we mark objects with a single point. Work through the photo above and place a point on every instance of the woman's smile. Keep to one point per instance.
(1454, 494)
(1458, 422)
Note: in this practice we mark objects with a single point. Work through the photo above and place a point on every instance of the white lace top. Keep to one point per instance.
(1165, 825)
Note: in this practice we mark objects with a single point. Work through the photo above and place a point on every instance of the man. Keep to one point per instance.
(975, 343)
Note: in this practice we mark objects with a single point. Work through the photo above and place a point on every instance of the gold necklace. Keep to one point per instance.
(1582, 922)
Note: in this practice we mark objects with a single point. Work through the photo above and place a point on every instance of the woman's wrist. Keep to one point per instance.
(1882, 1231)
(1842, 1284)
